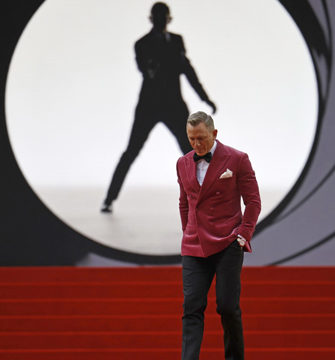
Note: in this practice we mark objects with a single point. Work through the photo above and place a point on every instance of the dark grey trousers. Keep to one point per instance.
(198, 274)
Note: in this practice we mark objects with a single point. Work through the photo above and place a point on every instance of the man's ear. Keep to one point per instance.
(215, 133)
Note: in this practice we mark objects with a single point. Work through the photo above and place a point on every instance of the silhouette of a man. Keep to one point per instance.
(160, 56)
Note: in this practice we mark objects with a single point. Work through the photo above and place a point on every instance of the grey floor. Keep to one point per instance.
(145, 220)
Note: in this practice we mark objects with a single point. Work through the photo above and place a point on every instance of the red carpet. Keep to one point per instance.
(135, 313)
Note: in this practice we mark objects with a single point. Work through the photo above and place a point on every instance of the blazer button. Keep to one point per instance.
(218, 193)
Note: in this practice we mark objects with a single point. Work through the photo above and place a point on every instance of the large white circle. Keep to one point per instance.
(73, 85)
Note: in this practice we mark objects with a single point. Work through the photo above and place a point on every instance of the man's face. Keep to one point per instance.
(201, 138)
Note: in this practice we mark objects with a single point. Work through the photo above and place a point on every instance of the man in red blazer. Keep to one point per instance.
(212, 179)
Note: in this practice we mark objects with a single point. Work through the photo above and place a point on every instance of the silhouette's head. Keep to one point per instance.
(201, 132)
(160, 16)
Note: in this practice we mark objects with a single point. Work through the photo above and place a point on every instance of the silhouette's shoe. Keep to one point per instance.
(106, 208)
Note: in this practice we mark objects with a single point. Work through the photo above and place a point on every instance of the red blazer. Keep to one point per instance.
(211, 214)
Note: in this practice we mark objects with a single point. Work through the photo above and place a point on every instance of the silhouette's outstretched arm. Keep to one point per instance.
(192, 77)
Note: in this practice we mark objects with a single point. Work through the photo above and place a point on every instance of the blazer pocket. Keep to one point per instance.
(227, 182)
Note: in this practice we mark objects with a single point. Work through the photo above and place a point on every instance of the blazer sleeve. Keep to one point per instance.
(248, 187)
(183, 202)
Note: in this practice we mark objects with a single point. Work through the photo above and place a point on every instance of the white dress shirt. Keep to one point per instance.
(202, 166)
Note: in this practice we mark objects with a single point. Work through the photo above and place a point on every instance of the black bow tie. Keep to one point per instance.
(207, 157)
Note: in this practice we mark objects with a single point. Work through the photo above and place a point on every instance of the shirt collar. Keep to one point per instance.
(213, 148)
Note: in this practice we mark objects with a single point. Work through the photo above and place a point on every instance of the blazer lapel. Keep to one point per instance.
(215, 168)
(192, 173)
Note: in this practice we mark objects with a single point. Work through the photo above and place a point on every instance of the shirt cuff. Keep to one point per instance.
(241, 240)
(241, 237)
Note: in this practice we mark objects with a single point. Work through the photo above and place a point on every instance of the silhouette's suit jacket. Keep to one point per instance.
(211, 214)
(161, 58)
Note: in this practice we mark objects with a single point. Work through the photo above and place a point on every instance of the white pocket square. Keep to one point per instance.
(227, 174)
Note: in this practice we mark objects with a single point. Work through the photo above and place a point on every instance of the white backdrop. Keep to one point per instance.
(73, 85)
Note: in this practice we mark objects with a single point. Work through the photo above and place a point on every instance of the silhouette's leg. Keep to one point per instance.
(139, 133)
(176, 123)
